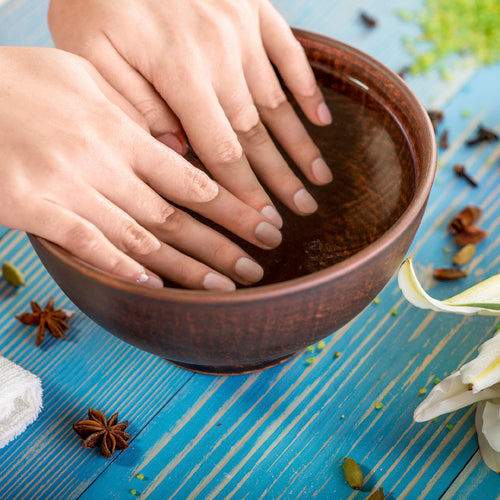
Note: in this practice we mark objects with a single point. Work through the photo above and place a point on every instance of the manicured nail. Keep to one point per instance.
(173, 142)
(248, 270)
(217, 282)
(270, 213)
(321, 171)
(149, 280)
(304, 202)
(267, 234)
(324, 115)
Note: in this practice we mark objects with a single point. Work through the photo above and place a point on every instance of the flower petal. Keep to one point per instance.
(483, 298)
(491, 424)
(490, 456)
(449, 395)
(484, 370)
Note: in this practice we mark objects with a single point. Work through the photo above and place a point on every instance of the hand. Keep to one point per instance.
(79, 168)
(208, 62)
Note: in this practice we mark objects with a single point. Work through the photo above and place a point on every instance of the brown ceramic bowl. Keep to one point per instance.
(382, 150)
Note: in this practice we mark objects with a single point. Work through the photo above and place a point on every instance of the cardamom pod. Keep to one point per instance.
(13, 274)
(464, 255)
(450, 274)
(377, 494)
(353, 473)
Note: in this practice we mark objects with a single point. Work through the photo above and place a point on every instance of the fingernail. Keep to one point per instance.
(149, 279)
(248, 270)
(270, 213)
(267, 234)
(304, 202)
(173, 142)
(214, 281)
(324, 115)
(321, 171)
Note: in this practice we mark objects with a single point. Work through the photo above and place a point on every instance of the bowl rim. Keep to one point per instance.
(302, 283)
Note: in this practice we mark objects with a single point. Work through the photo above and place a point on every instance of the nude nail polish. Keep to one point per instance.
(324, 115)
(321, 171)
(216, 282)
(248, 270)
(304, 202)
(267, 234)
(149, 280)
(272, 215)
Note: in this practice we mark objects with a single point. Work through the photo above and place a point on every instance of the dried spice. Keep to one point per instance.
(48, 318)
(443, 141)
(483, 135)
(460, 171)
(12, 274)
(471, 234)
(377, 494)
(98, 430)
(449, 274)
(368, 20)
(436, 117)
(464, 255)
(353, 473)
(466, 217)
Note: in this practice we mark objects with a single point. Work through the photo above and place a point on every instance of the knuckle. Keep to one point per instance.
(184, 272)
(275, 98)
(153, 112)
(219, 253)
(137, 240)
(227, 151)
(245, 118)
(159, 217)
(81, 239)
(256, 135)
(173, 225)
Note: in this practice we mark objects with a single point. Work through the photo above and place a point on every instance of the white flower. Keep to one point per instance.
(478, 381)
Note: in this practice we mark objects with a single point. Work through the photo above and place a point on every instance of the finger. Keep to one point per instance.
(131, 237)
(290, 59)
(152, 211)
(281, 119)
(186, 271)
(169, 174)
(173, 226)
(115, 97)
(217, 145)
(160, 119)
(86, 242)
(191, 237)
(116, 224)
(258, 146)
(237, 217)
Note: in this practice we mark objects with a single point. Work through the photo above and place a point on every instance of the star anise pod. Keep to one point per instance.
(53, 320)
(110, 434)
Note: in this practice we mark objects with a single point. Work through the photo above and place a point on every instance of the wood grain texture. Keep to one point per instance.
(283, 432)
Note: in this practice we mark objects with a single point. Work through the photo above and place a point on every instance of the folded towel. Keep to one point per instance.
(20, 400)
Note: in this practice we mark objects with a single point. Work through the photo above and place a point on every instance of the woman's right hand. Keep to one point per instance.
(79, 168)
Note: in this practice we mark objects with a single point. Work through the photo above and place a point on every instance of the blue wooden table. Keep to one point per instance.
(281, 433)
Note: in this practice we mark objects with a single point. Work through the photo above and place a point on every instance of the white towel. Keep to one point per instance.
(20, 400)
